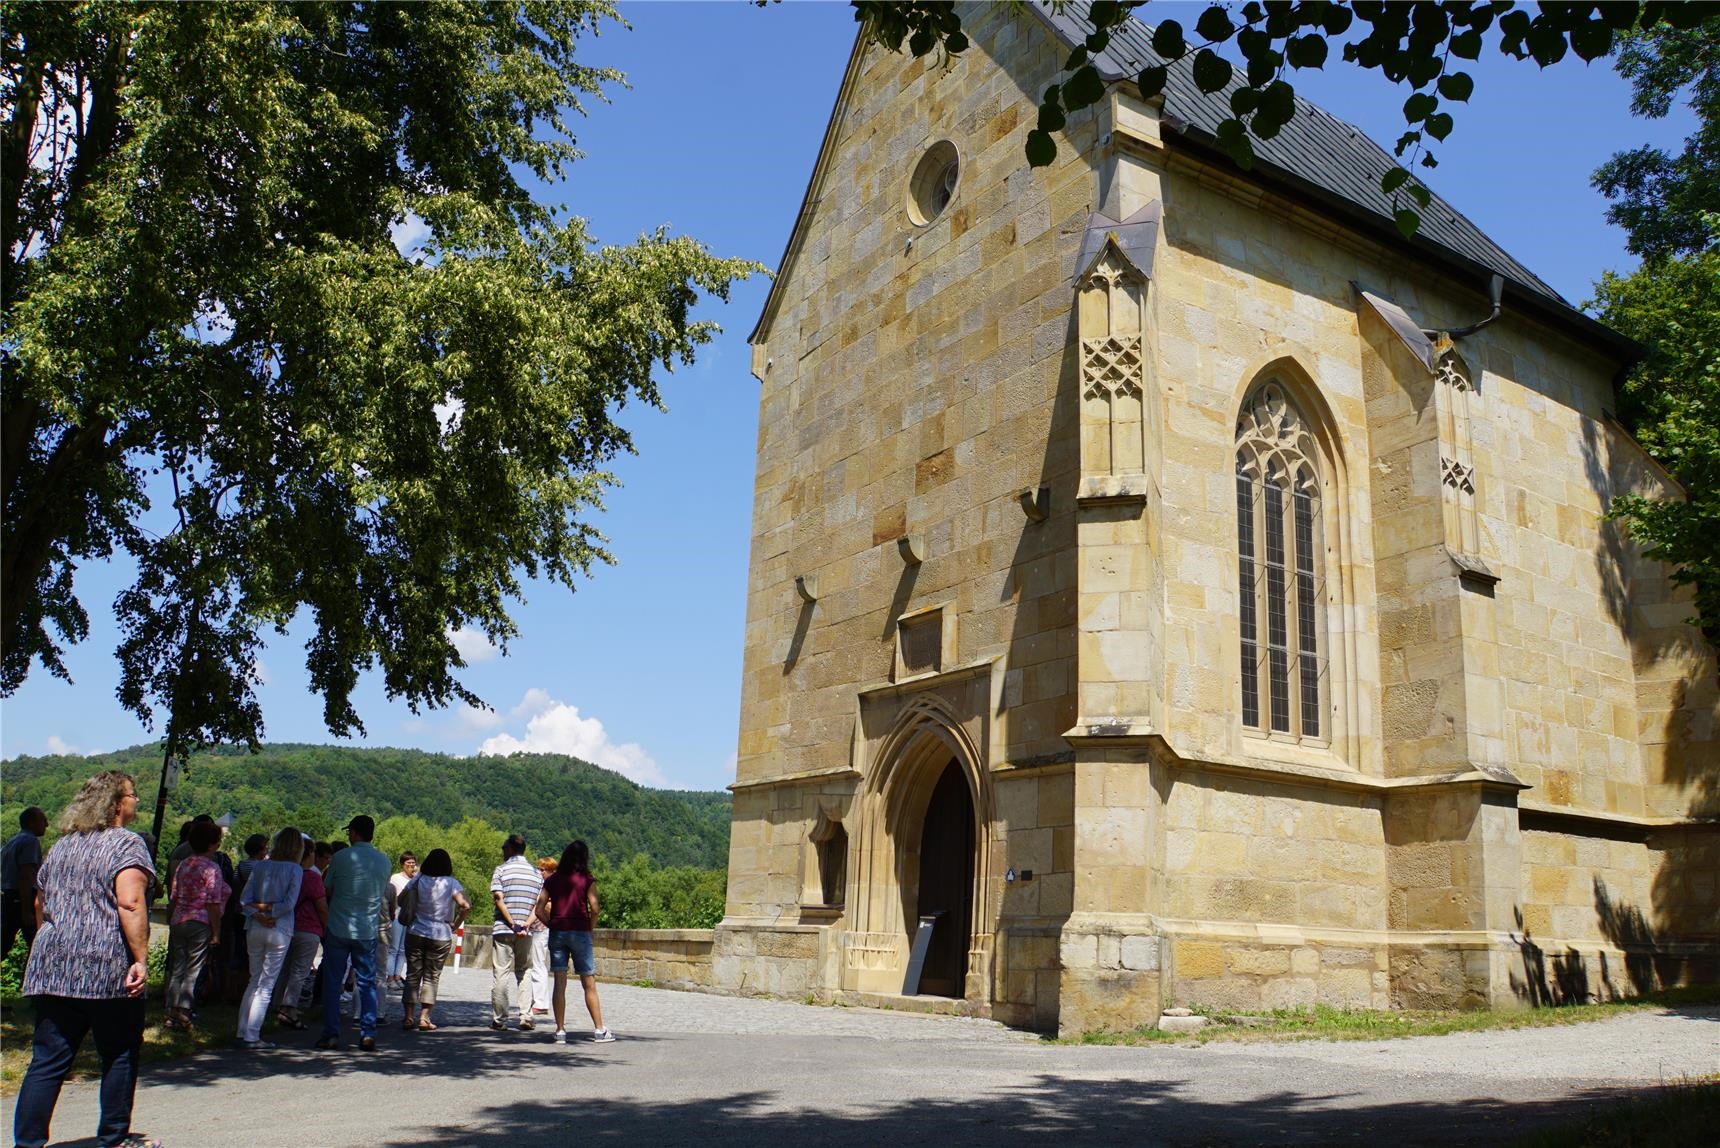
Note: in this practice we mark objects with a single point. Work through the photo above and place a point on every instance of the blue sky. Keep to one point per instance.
(640, 669)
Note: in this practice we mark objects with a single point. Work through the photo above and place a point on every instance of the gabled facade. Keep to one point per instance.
(1160, 596)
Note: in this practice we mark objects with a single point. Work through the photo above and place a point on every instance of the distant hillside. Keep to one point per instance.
(548, 797)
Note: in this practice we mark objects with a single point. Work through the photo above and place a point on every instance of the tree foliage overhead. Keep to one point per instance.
(216, 360)
(1420, 45)
(1670, 207)
(1663, 201)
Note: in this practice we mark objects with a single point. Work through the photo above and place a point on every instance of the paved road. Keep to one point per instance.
(699, 1070)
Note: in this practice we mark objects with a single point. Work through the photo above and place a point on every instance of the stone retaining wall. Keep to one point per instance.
(668, 958)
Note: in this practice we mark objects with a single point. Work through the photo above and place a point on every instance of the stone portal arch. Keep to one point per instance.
(926, 743)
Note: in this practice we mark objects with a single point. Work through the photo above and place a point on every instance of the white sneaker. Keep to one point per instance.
(602, 1036)
(561, 1036)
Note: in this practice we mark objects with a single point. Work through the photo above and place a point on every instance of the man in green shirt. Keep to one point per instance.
(356, 880)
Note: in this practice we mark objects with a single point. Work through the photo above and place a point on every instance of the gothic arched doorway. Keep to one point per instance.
(946, 883)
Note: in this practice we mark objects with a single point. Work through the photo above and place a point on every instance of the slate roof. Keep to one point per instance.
(1316, 156)
(1324, 159)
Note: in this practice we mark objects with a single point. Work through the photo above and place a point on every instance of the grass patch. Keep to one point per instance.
(1324, 1022)
(217, 1027)
(1680, 1113)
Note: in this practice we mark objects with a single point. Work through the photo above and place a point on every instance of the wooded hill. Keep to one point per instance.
(550, 798)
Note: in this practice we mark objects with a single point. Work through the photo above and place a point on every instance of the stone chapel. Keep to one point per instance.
(1169, 586)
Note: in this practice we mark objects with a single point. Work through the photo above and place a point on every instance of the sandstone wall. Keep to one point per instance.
(667, 958)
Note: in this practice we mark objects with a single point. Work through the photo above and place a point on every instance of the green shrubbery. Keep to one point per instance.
(635, 894)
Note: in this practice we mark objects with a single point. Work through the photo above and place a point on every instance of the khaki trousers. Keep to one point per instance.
(511, 953)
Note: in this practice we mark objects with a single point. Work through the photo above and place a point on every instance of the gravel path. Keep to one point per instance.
(704, 1070)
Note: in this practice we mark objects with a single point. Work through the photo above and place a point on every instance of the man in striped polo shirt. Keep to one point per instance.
(514, 887)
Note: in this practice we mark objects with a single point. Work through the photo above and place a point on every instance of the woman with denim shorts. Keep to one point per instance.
(568, 905)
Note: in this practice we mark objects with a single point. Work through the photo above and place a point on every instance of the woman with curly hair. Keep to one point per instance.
(90, 964)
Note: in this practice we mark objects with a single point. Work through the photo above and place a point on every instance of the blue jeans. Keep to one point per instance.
(61, 1025)
(336, 952)
(574, 947)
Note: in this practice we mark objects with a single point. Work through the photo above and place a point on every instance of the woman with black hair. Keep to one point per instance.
(568, 905)
(431, 907)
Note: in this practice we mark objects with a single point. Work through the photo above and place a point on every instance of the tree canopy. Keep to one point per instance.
(549, 798)
(1420, 45)
(1670, 207)
(215, 359)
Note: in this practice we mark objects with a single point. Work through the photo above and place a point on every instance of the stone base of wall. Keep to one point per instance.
(667, 958)
(770, 960)
(1254, 974)
(1026, 983)
(1111, 976)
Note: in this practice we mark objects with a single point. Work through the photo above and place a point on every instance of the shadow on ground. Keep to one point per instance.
(1052, 1110)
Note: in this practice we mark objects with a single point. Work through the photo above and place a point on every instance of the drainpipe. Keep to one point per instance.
(1495, 290)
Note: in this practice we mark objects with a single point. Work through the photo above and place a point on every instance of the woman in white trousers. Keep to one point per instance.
(271, 895)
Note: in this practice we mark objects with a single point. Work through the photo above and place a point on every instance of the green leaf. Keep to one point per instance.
(1041, 149)
(1211, 71)
(1439, 125)
(1592, 40)
(1306, 51)
(1456, 86)
(1105, 13)
(1168, 40)
(1051, 117)
(956, 42)
(1075, 60)
(1152, 80)
(1418, 107)
(1420, 194)
(1083, 89)
(1244, 101)
(1466, 44)
(922, 41)
(1279, 100)
(1393, 179)
(1214, 25)
(1546, 43)
(1408, 222)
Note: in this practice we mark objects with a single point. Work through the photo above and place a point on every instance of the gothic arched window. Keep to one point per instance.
(1280, 537)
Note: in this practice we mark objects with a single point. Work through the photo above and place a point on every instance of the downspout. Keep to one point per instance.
(1495, 292)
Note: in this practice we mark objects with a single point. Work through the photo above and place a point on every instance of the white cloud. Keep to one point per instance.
(556, 727)
(57, 744)
(472, 717)
(261, 672)
(472, 645)
(408, 233)
(534, 702)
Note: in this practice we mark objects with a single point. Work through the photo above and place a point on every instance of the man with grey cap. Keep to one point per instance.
(356, 880)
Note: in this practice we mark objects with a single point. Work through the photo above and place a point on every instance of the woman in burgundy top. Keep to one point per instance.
(568, 905)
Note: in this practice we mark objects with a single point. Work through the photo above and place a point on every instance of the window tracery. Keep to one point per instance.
(1280, 536)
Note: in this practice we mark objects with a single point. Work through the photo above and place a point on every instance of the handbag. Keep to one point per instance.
(408, 908)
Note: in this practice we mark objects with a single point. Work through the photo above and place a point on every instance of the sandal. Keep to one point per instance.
(408, 1025)
(426, 1026)
(286, 1021)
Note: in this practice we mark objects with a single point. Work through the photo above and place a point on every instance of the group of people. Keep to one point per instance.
(84, 911)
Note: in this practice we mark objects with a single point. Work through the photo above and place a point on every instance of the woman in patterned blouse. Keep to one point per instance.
(90, 964)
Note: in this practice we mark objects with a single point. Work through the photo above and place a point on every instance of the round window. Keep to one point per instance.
(933, 183)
